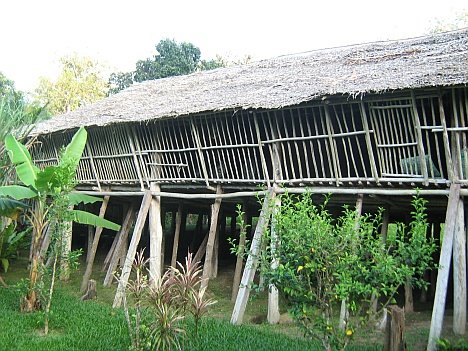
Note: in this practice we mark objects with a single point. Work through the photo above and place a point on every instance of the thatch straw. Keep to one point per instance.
(439, 60)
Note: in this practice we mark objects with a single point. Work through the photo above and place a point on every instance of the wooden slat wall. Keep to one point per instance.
(384, 139)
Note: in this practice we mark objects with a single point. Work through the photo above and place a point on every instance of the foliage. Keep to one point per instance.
(459, 21)
(48, 190)
(80, 82)
(172, 59)
(94, 325)
(323, 261)
(447, 345)
(168, 301)
(10, 242)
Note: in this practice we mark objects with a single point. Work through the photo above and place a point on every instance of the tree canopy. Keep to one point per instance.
(80, 82)
(172, 59)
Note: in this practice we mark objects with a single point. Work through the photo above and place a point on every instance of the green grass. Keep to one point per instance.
(94, 325)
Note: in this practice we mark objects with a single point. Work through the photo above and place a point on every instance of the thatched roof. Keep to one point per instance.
(439, 60)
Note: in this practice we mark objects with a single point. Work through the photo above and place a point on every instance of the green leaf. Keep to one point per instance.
(75, 149)
(20, 157)
(10, 207)
(46, 179)
(17, 192)
(84, 217)
(77, 198)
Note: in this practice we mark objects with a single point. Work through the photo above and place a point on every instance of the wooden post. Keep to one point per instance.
(252, 261)
(66, 249)
(121, 246)
(459, 273)
(140, 223)
(208, 266)
(444, 268)
(240, 255)
(92, 254)
(221, 229)
(90, 242)
(111, 252)
(201, 250)
(273, 315)
(156, 235)
(395, 330)
(178, 222)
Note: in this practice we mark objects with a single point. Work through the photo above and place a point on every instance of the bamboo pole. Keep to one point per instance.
(421, 152)
(208, 266)
(252, 261)
(140, 223)
(444, 267)
(92, 255)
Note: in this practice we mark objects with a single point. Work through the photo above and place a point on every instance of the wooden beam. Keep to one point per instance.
(156, 235)
(273, 315)
(92, 253)
(208, 266)
(139, 225)
(444, 268)
(120, 247)
(178, 225)
(252, 261)
(459, 273)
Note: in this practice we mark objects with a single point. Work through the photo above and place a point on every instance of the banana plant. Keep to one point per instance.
(40, 187)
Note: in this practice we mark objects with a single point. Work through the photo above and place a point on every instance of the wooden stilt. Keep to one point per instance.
(273, 315)
(90, 240)
(111, 252)
(444, 268)
(66, 249)
(252, 261)
(121, 245)
(459, 273)
(201, 250)
(240, 256)
(208, 266)
(221, 229)
(175, 246)
(156, 235)
(140, 223)
(92, 254)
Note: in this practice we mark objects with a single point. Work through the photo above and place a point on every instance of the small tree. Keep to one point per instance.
(43, 188)
(323, 261)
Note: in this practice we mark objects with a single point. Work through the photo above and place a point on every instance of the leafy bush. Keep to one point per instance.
(162, 304)
(325, 260)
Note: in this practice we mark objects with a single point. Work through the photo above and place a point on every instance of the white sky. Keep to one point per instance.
(36, 33)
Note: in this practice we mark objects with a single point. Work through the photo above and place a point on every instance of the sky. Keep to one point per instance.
(35, 34)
